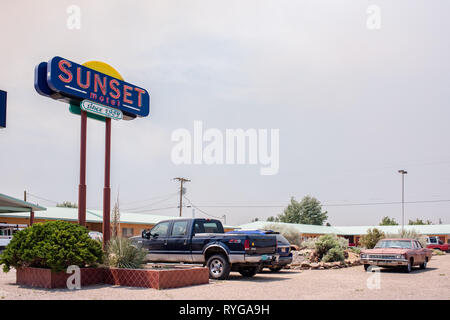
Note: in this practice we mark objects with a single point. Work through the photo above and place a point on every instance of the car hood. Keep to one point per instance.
(385, 251)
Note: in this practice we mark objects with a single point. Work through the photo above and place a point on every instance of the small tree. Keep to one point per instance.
(387, 221)
(419, 222)
(67, 204)
(371, 238)
(307, 211)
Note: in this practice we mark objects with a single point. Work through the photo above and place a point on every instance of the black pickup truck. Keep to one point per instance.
(203, 241)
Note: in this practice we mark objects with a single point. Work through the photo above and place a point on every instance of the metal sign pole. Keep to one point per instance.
(82, 186)
(107, 188)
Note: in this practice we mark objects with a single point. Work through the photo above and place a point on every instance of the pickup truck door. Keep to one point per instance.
(157, 244)
(179, 242)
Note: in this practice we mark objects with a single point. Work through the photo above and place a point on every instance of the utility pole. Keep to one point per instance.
(182, 180)
(31, 221)
(403, 172)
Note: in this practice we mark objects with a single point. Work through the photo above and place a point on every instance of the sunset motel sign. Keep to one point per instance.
(95, 90)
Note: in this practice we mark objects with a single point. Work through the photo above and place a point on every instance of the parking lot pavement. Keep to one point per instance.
(348, 283)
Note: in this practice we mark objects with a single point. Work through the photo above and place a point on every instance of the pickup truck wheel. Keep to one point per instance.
(219, 267)
(366, 267)
(248, 272)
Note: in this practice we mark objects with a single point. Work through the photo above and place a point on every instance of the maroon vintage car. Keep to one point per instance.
(404, 253)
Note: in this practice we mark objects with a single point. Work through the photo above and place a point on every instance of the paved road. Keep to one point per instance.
(348, 283)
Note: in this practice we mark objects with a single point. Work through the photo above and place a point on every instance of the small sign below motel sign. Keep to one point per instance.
(2, 109)
(101, 110)
(70, 82)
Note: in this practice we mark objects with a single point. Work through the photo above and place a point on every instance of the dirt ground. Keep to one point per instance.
(348, 283)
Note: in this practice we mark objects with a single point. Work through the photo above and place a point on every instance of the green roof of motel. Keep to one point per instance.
(434, 229)
(9, 204)
(96, 216)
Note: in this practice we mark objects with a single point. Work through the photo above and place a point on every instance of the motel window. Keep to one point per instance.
(127, 232)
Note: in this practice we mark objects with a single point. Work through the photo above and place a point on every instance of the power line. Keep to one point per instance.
(190, 202)
(41, 198)
(155, 209)
(151, 204)
(152, 198)
(328, 205)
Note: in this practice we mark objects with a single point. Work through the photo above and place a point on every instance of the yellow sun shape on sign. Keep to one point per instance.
(103, 68)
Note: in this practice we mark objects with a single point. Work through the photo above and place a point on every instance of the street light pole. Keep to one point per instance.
(403, 172)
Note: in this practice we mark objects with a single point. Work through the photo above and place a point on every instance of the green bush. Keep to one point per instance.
(356, 250)
(53, 245)
(327, 242)
(121, 253)
(334, 254)
(371, 238)
(310, 243)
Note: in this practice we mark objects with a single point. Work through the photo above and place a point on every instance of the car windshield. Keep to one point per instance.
(402, 244)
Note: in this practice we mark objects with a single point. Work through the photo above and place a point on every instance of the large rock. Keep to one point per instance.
(314, 265)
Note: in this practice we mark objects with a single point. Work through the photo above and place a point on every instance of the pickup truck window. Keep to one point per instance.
(160, 229)
(208, 227)
(179, 228)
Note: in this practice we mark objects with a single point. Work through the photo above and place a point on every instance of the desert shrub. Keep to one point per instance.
(291, 234)
(343, 243)
(334, 254)
(356, 250)
(326, 243)
(120, 253)
(410, 234)
(371, 238)
(54, 245)
(437, 252)
(310, 243)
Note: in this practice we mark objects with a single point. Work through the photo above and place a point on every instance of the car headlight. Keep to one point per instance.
(363, 255)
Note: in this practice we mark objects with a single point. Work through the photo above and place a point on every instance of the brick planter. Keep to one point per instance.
(45, 278)
(147, 278)
(157, 279)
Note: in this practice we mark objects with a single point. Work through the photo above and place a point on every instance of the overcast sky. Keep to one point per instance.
(353, 105)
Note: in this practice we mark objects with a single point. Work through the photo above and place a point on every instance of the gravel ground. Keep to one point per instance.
(347, 283)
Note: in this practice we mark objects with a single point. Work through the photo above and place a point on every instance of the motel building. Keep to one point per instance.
(17, 212)
(354, 233)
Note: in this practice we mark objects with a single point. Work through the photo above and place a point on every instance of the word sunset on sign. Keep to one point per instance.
(70, 82)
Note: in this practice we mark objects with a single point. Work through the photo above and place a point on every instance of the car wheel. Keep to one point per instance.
(275, 269)
(219, 267)
(424, 264)
(408, 268)
(366, 267)
(248, 272)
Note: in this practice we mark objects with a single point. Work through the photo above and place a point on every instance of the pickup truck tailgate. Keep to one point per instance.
(262, 244)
